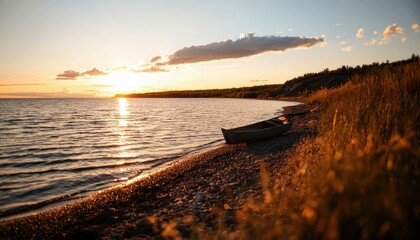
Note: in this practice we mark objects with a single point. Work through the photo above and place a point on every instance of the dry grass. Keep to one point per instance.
(357, 179)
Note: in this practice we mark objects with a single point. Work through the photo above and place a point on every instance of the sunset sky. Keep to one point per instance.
(99, 48)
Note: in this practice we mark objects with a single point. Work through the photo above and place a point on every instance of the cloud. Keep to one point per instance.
(415, 27)
(243, 47)
(95, 72)
(393, 29)
(247, 45)
(338, 24)
(323, 43)
(73, 75)
(150, 69)
(157, 58)
(373, 42)
(403, 39)
(375, 32)
(360, 33)
(348, 49)
(68, 75)
(344, 42)
(390, 31)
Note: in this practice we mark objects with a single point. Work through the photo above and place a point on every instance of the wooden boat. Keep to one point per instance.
(296, 110)
(257, 131)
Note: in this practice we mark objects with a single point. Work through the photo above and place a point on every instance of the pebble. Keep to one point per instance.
(200, 197)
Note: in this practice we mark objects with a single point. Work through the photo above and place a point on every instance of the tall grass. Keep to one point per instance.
(357, 179)
(364, 175)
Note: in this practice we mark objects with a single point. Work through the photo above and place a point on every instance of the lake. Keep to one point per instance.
(56, 150)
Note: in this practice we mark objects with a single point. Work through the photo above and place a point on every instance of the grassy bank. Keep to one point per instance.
(356, 179)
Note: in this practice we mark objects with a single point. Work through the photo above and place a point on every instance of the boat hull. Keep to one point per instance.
(257, 132)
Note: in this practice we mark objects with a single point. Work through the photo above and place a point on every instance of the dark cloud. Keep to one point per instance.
(243, 47)
(68, 75)
(95, 72)
(246, 45)
(157, 58)
(73, 75)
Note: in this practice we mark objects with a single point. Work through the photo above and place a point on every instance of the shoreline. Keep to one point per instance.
(57, 201)
(197, 186)
(69, 199)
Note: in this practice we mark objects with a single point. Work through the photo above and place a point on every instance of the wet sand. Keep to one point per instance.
(196, 188)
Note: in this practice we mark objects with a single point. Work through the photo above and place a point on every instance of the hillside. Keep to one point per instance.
(312, 82)
(303, 85)
(308, 84)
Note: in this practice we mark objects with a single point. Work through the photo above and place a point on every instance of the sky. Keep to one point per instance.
(97, 48)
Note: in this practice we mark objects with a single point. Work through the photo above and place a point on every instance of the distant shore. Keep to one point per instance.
(221, 178)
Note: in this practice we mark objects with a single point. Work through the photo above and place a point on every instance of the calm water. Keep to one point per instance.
(54, 150)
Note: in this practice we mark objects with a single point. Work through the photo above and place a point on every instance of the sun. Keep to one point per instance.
(122, 81)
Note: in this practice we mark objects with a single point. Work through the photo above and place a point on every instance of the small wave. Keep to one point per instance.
(39, 128)
(55, 155)
(37, 191)
(16, 120)
(72, 160)
(5, 189)
(22, 164)
(50, 148)
(108, 146)
(35, 206)
(31, 154)
(158, 161)
(75, 170)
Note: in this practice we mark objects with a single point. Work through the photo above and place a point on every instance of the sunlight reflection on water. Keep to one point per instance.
(122, 106)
